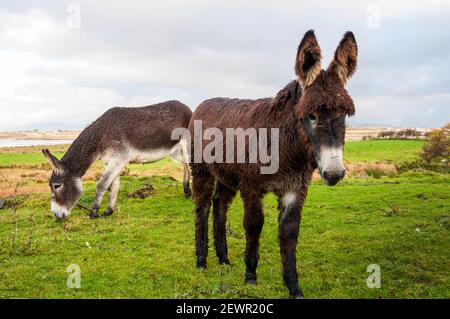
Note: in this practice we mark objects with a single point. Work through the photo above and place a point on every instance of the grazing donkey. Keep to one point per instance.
(120, 136)
(310, 116)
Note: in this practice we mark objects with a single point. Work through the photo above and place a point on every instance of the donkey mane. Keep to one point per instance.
(288, 96)
(82, 152)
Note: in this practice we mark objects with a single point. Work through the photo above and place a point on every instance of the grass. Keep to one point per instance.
(146, 248)
(391, 151)
(355, 151)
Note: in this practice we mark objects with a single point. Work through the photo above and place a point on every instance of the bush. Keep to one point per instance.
(377, 171)
(374, 172)
(408, 133)
(437, 148)
(420, 165)
(386, 134)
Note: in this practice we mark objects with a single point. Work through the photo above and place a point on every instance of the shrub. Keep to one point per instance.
(407, 133)
(437, 148)
(386, 134)
(374, 172)
(421, 166)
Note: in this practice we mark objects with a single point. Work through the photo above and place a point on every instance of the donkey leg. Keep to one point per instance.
(203, 186)
(253, 223)
(113, 192)
(180, 153)
(221, 199)
(112, 170)
(288, 228)
(186, 177)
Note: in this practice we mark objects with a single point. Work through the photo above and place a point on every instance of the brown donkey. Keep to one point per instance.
(310, 115)
(120, 136)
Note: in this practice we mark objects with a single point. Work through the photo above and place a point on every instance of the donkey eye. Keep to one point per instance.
(56, 186)
(313, 118)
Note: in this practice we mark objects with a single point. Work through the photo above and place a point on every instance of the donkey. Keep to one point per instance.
(310, 116)
(120, 136)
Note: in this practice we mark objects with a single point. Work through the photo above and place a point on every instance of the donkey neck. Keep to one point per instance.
(83, 151)
(295, 147)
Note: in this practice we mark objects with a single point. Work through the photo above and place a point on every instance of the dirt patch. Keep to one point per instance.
(444, 221)
(146, 191)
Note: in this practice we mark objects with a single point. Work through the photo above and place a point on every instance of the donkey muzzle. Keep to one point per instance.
(333, 177)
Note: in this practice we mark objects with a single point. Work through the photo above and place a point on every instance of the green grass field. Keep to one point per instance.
(391, 151)
(356, 151)
(146, 248)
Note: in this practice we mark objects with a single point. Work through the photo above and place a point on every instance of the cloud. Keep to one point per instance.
(139, 53)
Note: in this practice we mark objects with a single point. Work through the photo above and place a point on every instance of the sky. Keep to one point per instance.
(63, 63)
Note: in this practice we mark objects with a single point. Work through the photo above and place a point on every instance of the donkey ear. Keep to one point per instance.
(308, 61)
(345, 58)
(52, 160)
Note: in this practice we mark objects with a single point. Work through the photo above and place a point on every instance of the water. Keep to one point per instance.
(13, 143)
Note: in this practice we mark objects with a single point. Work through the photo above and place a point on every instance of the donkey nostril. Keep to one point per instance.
(333, 177)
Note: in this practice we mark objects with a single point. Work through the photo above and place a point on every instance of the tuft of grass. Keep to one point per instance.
(391, 210)
(379, 170)
(374, 172)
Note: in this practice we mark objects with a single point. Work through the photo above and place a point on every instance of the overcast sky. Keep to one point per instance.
(63, 63)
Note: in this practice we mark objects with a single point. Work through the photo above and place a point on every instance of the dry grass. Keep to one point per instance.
(40, 135)
(33, 178)
(33, 149)
(363, 169)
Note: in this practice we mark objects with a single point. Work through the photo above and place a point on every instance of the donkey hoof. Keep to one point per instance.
(108, 212)
(201, 263)
(224, 261)
(250, 282)
(93, 215)
(250, 278)
(187, 193)
(296, 293)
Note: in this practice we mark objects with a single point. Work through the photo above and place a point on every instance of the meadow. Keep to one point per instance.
(400, 222)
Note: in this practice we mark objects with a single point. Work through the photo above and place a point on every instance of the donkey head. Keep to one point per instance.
(325, 102)
(65, 187)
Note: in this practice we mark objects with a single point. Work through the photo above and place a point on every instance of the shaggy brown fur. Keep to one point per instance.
(294, 111)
